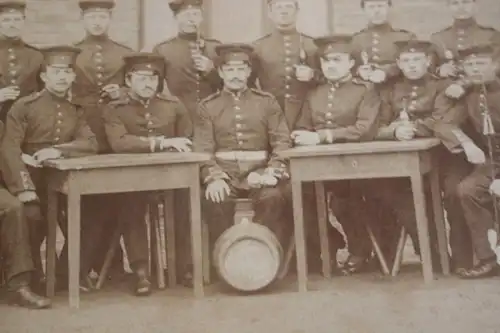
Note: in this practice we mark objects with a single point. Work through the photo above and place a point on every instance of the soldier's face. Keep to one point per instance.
(96, 22)
(189, 19)
(377, 12)
(283, 13)
(11, 23)
(58, 78)
(336, 66)
(414, 65)
(235, 74)
(480, 68)
(143, 83)
(462, 9)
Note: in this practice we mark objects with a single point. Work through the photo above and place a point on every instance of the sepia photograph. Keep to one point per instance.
(282, 166)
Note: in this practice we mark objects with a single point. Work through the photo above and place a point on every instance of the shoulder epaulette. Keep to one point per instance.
(401, 30)
(486, 27)
(261, 92)
(79, 42)
(167, 97)
(360, 31)
(31, 97)
(213, 40)
(361, 82)
(210, 97)
(122, 45)
(262, 38)
(442, 30)
(306, 36)
(166, 41)
(29, 46)
(119, 102)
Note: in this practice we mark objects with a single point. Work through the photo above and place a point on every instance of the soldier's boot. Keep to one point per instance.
(142, 285)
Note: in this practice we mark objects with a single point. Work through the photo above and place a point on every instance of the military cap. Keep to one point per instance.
(12, 5)
(96, 4)
(234, 52)
(177, 5)
(60, 55)
(476, 50)
(340, 43)
(145, 61)
(413, 46)
(363, 2)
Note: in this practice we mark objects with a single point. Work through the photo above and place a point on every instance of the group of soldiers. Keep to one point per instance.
(243, 104)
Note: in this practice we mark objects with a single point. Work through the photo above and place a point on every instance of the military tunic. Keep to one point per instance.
(461, 35)
(249, 121)
(100, 63)
(129, 123)
(20, 66)
(38, 121)
(277, 53)
(426, 105)
(349, 111)
(473, 191)
(377, 42)
(183, 80)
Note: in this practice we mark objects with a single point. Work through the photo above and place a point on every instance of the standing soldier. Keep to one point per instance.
(47, 125)
(20, 63)
(144, 122)
(191, 76)
(463, 33)
(375, 44)
(413, 105)
(287, 67)
(242, 129)
(481, 108)
(99, 74)
(341, 110)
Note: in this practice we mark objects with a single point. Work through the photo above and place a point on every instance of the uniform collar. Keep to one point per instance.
(464, 24)
(137, 100)
(97, 39)
(341, 82)
(285, 32)
(420, 82)
(385, 27)
(10, 42)
(62, 99)
(191, 36)
(235, 95)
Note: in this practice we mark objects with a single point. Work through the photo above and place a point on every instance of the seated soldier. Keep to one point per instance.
(411, 107)
(242, 129)
(42, 126)
(481, 109)
(16, 253)
(144, 121)
(342, 109)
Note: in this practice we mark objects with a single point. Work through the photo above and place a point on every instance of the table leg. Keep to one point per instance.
(439, 220)
(74, 247)
(417, 186)
(51, 242)
(323, 229)
(300, 240)
(196, 237)
(169, 218)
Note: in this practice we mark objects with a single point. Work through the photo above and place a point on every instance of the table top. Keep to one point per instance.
(125, 160)
(372, 147)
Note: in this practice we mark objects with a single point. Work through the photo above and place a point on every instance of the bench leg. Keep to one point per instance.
(155, 227)
(399, 252)
(378, 251)
(115, 243)
(206, 253)
(319, 188)
(169, 218)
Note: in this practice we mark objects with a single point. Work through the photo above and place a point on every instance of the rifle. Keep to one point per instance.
(489, 132)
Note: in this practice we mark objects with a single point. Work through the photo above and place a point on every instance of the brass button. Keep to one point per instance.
(288, 95)
(59, 114)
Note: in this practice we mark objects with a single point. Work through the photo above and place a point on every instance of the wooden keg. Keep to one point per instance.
(248, 256)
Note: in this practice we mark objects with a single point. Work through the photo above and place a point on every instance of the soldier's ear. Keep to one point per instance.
(128, 83)
(352, 62)
(220, 71)
(43, 75)
(428, 60)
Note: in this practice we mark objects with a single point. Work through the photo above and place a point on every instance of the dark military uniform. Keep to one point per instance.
(377, 42)
(20, 66)
(251, 121)
(276, 54)
(461, 35)
(425, 103)
(129, 124)
(183, 80)
(39, 121)
(99, 64)
(473, 191)
(344, 111)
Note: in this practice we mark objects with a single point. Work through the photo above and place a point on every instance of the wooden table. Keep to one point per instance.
(378, 159)
(112, 174)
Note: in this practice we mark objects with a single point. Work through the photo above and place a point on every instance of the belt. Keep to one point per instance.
(242, 155)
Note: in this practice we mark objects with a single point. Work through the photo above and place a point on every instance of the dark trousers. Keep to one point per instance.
(269, 204)
(350, 209)
(15, 241)
(477, 204)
